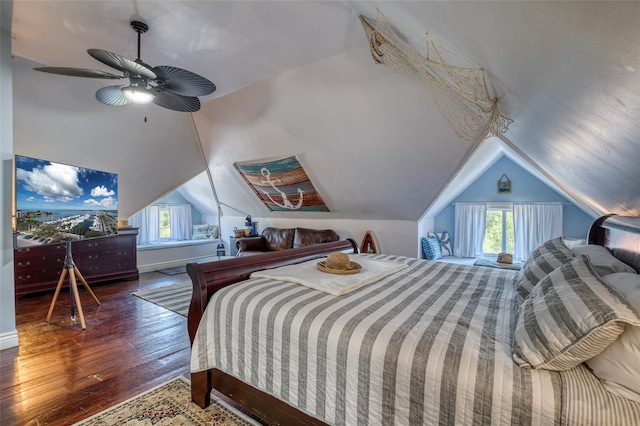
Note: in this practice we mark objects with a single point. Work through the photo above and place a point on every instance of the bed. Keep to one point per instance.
(430, 344)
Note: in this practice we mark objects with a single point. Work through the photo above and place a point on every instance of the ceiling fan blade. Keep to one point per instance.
(121, 63)
(79, 72)
(183, 82)
(111, 95)
(176, 102)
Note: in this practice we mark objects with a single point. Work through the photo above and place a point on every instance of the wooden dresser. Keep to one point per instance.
(101, 259)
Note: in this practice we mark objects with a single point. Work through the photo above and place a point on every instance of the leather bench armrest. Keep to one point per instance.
(251, 244)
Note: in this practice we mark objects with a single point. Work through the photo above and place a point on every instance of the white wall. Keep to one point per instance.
(394, 236)
(154, 258)
(373, 143)
(8, 332)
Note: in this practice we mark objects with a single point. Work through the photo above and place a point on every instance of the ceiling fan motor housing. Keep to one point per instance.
(140, 27)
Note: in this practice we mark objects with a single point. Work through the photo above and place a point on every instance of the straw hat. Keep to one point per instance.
(339, 263)
(505, 258)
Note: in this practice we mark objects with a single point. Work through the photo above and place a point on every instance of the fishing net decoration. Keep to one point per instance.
(461, 93)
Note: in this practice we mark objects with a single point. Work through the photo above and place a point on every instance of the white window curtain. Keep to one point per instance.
(470, 224)
(148, 223)
(180, 222)
(534, 224)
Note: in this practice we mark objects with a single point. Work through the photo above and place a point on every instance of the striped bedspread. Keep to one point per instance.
(430, 344)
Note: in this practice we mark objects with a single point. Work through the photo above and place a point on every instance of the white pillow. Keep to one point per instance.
(602, 260)
(572, 242)
(199, 232)
(618, 366)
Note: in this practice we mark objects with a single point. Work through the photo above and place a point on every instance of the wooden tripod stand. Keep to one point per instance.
(71, 269)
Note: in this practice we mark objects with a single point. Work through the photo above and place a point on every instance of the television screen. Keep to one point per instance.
(58, 202)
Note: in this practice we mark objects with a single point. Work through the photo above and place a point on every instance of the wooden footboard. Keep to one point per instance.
(207, 278)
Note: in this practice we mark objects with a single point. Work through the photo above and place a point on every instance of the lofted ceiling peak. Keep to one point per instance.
(297, 78)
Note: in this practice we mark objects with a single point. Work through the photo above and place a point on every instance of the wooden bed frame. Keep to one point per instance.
(620, 234)
(207, 278)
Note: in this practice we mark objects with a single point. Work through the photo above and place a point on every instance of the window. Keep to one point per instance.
(165, 223)
(499, 234)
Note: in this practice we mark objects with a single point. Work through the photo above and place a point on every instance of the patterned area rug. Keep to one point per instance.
(175, 297)
(493, 264)
(169, 404)
(173, 271)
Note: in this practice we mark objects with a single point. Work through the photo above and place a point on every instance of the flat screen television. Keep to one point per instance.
(56, 202)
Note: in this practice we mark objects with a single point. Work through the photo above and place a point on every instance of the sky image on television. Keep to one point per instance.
(58, 202)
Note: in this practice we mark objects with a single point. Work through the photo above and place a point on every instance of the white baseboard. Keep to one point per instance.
(9, 340)
(165, 265)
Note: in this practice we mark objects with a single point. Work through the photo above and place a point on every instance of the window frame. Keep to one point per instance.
(161, 209)
(503, 208)
(167, 208)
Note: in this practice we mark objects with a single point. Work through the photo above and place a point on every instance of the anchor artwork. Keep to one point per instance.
(282, 184)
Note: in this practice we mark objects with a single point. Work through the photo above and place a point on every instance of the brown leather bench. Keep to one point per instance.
(274, 239)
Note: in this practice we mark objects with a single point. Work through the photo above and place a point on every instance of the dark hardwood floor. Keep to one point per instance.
(61, 374)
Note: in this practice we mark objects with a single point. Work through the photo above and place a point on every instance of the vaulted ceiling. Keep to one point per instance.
(297, 78)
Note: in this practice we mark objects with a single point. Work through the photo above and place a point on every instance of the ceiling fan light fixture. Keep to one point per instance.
(166, 86)
(137, 94)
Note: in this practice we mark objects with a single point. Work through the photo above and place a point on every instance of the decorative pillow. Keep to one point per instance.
(572, 242)
(570, 316)
(602, 260)
(444, 240)
(618, 366)
(199, 232)
(544, 259)
(431, 248)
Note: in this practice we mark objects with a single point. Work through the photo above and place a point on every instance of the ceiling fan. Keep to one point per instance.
(169, 87)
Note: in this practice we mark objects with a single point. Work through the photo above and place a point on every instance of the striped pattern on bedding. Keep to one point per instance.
(592, 404)
(570, 316)
(548, 256)
(428, 345)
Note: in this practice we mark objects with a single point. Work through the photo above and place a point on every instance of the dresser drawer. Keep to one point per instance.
(38, 268)
(89, 257)
(37, 274)
(101, 268)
